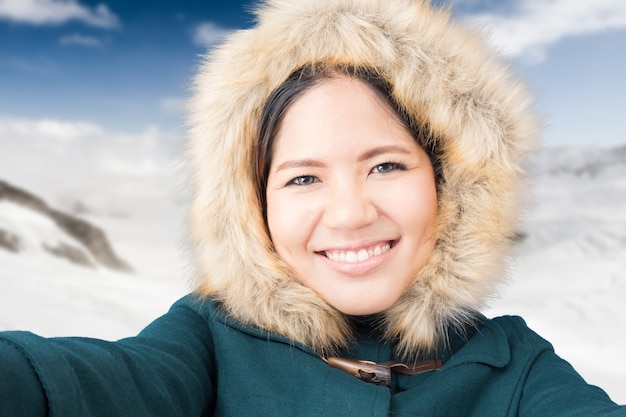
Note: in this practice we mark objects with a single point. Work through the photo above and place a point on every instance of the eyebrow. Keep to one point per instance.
(299, 163)
(372, 153)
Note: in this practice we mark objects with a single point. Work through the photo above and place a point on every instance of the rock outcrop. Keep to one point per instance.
(93, 241)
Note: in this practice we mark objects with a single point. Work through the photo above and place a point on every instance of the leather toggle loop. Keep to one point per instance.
(365, 370)
(380, 373)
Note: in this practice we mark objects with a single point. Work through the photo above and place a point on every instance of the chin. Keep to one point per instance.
(362, 309)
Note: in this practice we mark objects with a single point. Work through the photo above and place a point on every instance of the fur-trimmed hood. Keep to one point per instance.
(444, 76)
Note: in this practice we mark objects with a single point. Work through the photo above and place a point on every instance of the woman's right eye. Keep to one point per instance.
(303, 180)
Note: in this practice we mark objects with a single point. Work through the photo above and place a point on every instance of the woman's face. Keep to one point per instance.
(351, 200)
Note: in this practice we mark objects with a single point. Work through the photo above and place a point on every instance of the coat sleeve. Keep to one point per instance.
(164, 371)
(553, 388)
(21, 393)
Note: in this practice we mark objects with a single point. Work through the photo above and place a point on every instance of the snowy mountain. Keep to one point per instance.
(568, 280)
(579, 162)
(28, 224)
(57, 282)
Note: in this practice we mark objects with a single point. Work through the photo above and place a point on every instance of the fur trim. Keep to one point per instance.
(444, 76)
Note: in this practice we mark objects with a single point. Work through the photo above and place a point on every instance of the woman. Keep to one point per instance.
(357, 175)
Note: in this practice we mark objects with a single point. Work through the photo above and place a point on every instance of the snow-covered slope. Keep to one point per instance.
(52, 296)
(28, 224)
(568, 282)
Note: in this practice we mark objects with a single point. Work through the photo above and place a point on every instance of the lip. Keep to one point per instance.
(358, 268)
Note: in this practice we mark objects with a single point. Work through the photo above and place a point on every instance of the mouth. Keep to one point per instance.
(356, 256)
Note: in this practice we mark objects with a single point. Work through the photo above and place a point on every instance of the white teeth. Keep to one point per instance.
(356, 257)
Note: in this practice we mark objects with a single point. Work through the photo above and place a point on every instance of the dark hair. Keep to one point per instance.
(304, 79)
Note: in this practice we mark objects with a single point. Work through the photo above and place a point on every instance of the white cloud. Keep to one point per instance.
(67, 161)
(81, 144)
(175, 105)
(208, 33)
(537, 24)
(34, 65)
(55, 12)
(49, 130)
(81, 40)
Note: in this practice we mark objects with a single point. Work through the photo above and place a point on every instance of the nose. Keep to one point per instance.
(349, 207)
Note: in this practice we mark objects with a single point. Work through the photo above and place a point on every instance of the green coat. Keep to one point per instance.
(195, 361)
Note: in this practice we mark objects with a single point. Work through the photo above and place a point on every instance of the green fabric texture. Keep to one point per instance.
(21, 393)
(195, 361)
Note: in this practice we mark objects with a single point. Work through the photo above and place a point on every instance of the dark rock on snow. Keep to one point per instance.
(92, 238)
(9, 241)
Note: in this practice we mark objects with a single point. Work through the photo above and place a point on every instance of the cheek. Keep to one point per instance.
(414, 211)
(424, 216)
(274, 224)
(426, 208)
(286, 221)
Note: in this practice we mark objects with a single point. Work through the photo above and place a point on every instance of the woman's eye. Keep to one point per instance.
(387, 167)
(303, 180)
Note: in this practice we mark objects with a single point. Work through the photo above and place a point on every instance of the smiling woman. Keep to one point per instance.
(357, 170)
(351, 197)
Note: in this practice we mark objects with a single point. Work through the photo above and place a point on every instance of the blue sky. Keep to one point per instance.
(124, 65)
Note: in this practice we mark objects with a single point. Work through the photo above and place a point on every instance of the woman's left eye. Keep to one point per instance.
(303, 180)
(387, 167)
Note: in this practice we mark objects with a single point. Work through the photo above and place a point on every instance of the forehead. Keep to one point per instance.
(337, 88)
(340, 98)
(336, 113)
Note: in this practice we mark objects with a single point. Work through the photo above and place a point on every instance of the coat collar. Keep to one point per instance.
(487, 342)
(489, 346)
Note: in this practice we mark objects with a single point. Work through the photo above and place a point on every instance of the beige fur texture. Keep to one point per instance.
(445, 76)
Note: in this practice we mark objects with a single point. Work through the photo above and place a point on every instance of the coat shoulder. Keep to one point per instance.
(517, 331)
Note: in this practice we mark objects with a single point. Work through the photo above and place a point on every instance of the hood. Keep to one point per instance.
(445, 77)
